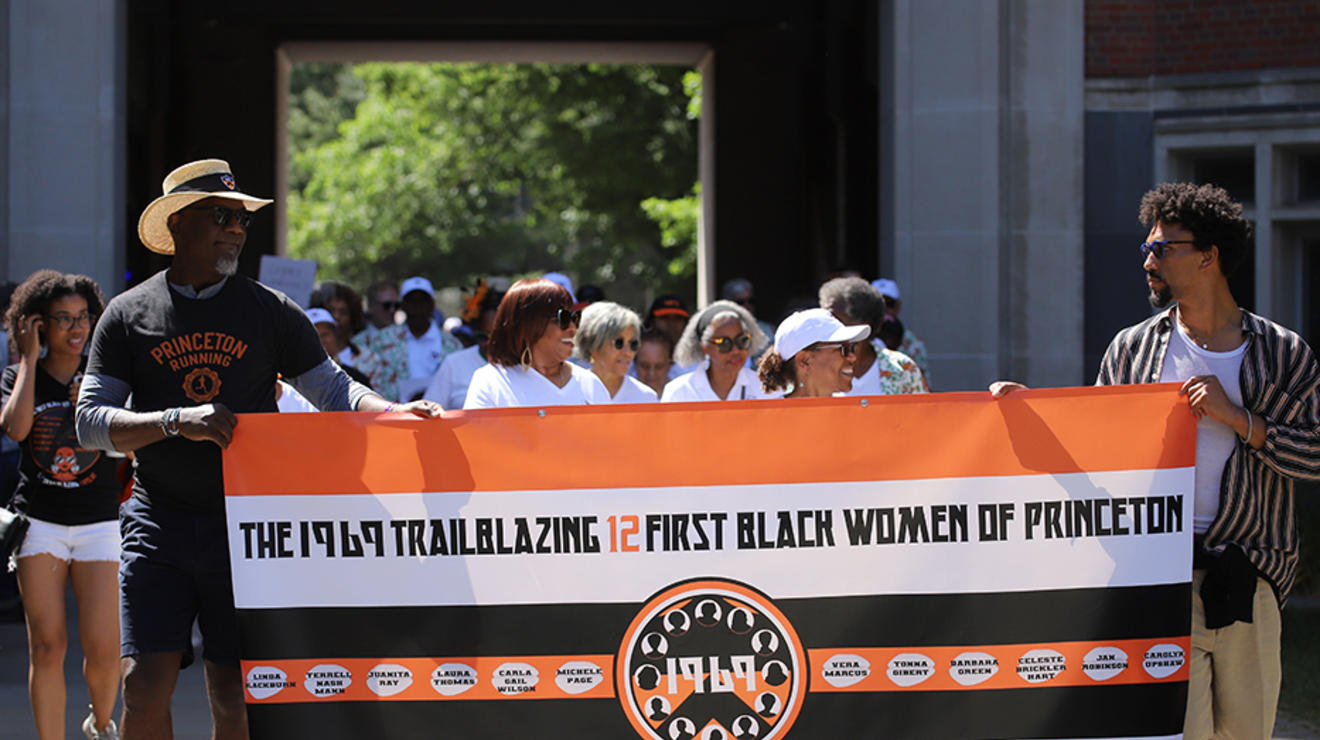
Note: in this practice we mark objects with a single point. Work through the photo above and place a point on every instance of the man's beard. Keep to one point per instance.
(1162, 297)
(226, 266)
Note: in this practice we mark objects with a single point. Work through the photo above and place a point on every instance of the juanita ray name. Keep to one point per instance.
(546, 535)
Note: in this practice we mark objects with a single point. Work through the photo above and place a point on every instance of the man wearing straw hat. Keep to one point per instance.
(193, 345)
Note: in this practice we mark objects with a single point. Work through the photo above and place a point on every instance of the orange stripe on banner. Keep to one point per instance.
(429, 679)
(974, 668)
(1055, 431)
(520, 678)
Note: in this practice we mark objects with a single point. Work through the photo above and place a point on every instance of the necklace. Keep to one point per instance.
(1203, 344)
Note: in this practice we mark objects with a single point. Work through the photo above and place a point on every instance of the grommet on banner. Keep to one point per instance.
(865, 403)
(540, 413)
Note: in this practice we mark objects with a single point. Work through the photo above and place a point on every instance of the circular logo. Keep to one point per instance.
(201, 384)
(711, 658)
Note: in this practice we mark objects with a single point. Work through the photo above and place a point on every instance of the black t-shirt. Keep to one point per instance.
(178, 351)
(58, 481)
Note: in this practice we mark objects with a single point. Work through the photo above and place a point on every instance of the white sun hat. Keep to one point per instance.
(205, 178)
(805, 328)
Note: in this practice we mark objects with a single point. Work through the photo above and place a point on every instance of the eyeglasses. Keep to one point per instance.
(67, 322)
(725, 345)
(847, 349)
(222, 215)
(633, 344)
(564, 316)
(1158, 248)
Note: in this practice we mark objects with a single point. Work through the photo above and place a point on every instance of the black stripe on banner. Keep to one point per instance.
(859, 621)
(1109, 711)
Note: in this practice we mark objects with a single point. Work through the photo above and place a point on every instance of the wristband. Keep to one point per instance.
(169, 422)
(1251, 428)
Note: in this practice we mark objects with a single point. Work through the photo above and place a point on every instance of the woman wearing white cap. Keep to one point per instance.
(813, 355)
(719, 337)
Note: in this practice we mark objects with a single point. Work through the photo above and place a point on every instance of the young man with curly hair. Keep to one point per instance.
(1254, 387)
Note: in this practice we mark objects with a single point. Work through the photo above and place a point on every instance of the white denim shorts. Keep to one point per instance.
(82, 542)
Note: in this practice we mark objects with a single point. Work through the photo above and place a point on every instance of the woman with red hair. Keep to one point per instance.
(528, 351)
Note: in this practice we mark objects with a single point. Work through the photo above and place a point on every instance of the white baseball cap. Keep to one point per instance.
(321, 316)
(887, 287)
(805, 328)
(416, 283)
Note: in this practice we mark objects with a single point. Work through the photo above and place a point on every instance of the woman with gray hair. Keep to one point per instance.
(608, 339)
(720, 337)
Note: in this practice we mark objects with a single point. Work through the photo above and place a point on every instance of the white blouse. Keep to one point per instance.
(497, 386)
(695, 386)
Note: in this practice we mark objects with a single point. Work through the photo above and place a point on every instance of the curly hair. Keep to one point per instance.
(776, 373)
(1207, 211)
(42, 288)
(689, 351)
(331, 290)
(854, 297)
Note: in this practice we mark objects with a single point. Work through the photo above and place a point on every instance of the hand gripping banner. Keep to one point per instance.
(933, 566)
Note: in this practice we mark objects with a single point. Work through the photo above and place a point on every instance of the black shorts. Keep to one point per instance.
(174, 569)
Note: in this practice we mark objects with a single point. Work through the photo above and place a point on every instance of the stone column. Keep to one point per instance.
(982, 182)
(66, 139)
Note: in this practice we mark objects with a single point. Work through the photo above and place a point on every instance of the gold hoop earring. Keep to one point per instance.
(526, 359)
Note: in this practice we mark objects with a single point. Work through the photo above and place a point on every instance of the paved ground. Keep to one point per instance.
(192, 719)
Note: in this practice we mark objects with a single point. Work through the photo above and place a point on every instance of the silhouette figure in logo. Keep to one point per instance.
(647, 677)
(677, 623)
(768, 704)
(714, 734)
(745, 727)
(654, 645)
(682, 729)
(764, 642)
(774, 673)
(740, 621)
(708, 613)
(659, 708)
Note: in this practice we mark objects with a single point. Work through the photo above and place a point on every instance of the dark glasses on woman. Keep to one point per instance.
(726, 345)
(847, 349)
(222, 215)
(633, 344)
(564, 317)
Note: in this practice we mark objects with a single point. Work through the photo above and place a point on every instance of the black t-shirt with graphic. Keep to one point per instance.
(178, 351)
(58, 481)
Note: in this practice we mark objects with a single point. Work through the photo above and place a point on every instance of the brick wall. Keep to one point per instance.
(1130, 38)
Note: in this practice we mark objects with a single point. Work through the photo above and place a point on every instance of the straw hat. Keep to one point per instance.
(205, 178)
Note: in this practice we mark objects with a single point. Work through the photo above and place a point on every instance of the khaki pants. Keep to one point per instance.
(1233, 686)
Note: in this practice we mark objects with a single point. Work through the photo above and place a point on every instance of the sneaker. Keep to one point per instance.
(111, 732)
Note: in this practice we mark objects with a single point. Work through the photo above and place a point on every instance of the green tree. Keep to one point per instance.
(461, 170)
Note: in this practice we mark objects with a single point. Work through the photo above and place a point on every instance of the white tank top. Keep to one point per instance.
(1214, 441)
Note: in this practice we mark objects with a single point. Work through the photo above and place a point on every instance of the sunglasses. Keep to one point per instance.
(1158, 248)
(391, 305)
(633, 344)
(565, 316)
(847, 349)
(222, 215)
(725, 345)
(67, 322)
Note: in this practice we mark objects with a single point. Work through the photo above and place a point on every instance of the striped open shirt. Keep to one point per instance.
(1281, 383)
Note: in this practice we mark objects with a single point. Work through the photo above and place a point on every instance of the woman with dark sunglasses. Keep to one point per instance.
(70, 495)
(719, 337)
(528, 352)
(814, 355)
(609, 339)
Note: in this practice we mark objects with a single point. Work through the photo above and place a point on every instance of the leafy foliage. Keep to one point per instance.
(457, 171)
